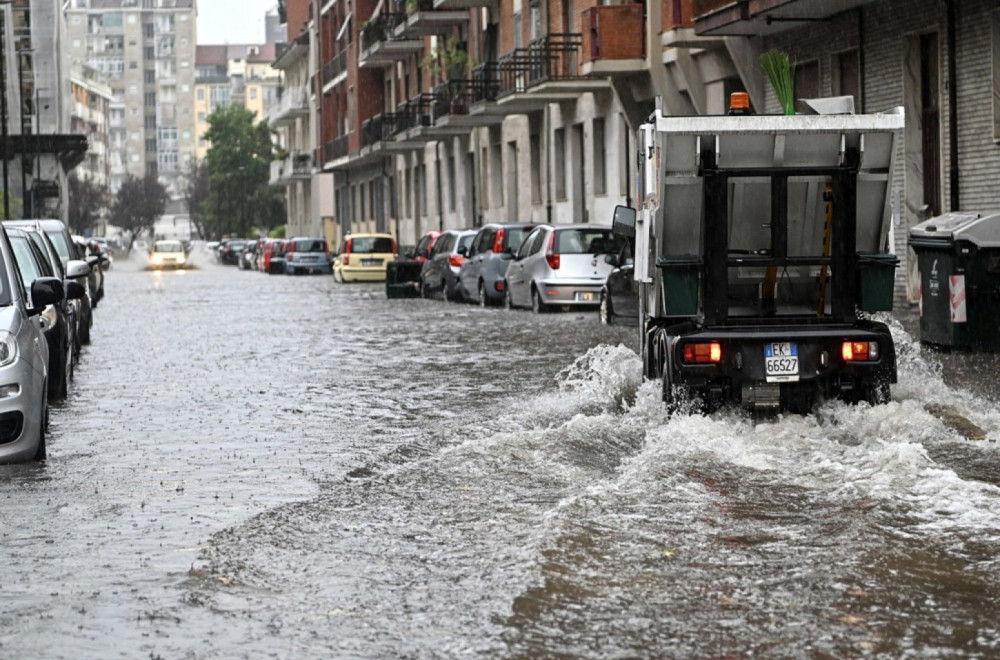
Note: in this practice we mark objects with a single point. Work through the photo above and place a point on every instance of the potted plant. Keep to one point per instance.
(451, 63)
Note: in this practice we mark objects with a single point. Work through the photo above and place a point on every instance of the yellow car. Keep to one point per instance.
(362, 257)
(167, 254)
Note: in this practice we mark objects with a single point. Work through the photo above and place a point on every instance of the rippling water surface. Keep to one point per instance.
(259, 466)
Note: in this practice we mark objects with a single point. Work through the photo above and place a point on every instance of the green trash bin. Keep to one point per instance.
(958, 256)
(680, 284)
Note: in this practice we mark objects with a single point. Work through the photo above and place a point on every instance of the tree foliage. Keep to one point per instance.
(196, 188)
(138, 204)
(239, 166)
(86, 201)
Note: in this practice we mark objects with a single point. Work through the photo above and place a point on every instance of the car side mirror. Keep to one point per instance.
(74, 290)
(623, 222)
(76, 268)
(45, 291)
(611, 259)
(463, 251)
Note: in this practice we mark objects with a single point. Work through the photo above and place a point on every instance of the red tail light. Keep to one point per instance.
(456, 260)
(347, 252)
(347, 259)
(703, 353)
(853, 351)
(498, 241)
(550, 256)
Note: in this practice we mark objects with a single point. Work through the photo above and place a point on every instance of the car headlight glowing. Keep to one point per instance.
(157, 259)
(8, 349)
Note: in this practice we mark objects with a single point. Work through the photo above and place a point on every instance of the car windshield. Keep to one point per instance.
(371, 244)
(167, 246)
(514, 236)
(62, 245)
(25, 260)
(585, 241)
(308, 245)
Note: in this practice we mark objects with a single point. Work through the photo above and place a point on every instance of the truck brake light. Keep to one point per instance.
(854, 351)
(703, 353)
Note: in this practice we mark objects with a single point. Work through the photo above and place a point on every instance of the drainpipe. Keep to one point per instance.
(861, 60)
(628, 169)
(952, 18)
(437, 167)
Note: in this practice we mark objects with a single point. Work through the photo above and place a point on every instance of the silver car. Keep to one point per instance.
(560, 266)
(24, 360)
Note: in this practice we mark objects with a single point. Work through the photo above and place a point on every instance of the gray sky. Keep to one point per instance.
(232, 21)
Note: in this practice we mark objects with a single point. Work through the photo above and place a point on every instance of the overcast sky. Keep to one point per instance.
(232, 21)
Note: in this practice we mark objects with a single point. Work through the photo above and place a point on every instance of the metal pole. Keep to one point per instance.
(3, 110)
(20, 115)
(38, 157)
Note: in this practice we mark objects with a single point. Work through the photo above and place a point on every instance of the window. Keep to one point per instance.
(535, 146)
(600, 174)
(846, 78)
(200, 94)
(149, 99)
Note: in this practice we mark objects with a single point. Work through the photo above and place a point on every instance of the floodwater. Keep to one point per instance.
(255, 466)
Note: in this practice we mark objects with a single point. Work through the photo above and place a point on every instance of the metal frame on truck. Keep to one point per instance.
(760, 244)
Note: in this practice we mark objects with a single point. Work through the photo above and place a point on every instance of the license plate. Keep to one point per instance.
(585, 296)
(308, 259)
(371, 262)
(781, 362)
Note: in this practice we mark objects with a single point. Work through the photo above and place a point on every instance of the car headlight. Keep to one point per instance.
(8, 349)
(157, 259)
(181, 259)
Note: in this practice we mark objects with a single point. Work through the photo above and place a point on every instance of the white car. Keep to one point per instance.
(167, 254)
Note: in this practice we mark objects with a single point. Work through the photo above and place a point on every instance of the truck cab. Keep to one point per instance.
(762, 246)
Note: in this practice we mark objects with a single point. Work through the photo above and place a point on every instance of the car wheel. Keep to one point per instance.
(607, 316)
(507, 302)
(423, 289)
(85, 331)
(58, 376)
(537, 306)
(483, 300)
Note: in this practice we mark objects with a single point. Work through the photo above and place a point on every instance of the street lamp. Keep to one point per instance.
(3, 105)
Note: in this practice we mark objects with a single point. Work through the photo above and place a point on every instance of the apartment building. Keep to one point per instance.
(146, 48)
(35, 112)
(451, 113)
(90, 117)
(233, 73)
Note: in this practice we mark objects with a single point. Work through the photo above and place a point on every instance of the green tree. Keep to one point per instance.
(196, 187)
(239, 166)
(86, 201)
(137, 205)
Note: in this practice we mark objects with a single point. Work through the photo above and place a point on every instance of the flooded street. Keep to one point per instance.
(259, 466)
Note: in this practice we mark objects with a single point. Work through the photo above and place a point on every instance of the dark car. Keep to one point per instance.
(56, 323)
(439, 274)
(230, 250)
(63, 242)
(482, 275)
(95, 280)
(620, 293)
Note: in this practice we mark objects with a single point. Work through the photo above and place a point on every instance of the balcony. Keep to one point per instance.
(335, 68)
(462, 4)
(380, 46)
(293, 105)
(335, 149)
(614, 43)
(296, 167)
(747, 18)
(378, 136)
(427, 21)
(547, 71)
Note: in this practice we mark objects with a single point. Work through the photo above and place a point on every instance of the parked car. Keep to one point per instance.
(363, 257)
(307, 255)
(56, 323)
(72, 276)
(248, 257)
(272, 260)
(560, 266)
(439, 275)
(167, 254)
(230, 249)
(620, 293)
(105, 249)
(24, 358)
(95, 280)
(482, 275)
(60, 237)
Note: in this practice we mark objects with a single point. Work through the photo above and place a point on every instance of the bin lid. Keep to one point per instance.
(979, 228)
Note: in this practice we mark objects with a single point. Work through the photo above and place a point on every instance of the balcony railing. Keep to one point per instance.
(378, 129)
(294, 103)
(485, 83)
(380, 28)
(550, 58)
(336, 66)
(335, 148)
(415, 112)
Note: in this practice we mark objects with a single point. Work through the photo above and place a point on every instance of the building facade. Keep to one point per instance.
(436, 114)
(147, 51)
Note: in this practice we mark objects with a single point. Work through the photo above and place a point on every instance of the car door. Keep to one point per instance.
(517, 279)
(472, 269)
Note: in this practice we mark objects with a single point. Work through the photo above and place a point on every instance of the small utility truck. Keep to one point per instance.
(761, 245)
